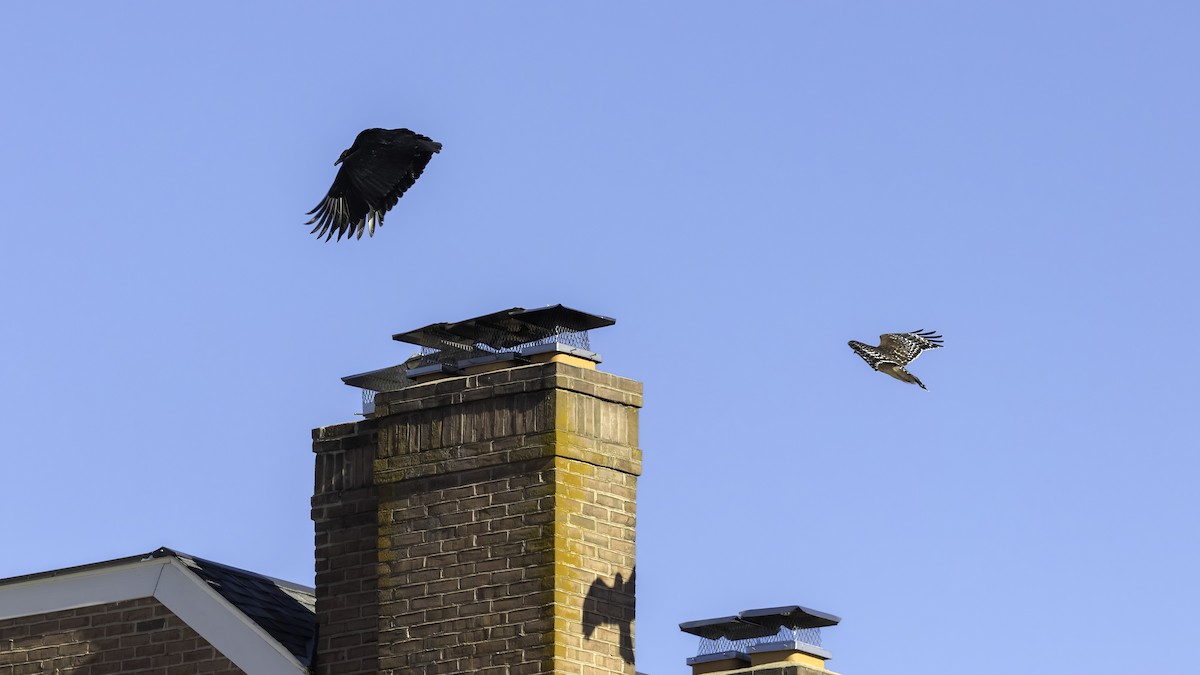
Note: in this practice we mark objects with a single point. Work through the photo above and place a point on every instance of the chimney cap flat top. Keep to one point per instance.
(384, 379)
(505, 329)
(756, 623)
(729, 627)
(792, 616)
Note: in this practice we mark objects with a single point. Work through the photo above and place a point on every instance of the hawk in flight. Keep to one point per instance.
(375, 172)
(897, 350)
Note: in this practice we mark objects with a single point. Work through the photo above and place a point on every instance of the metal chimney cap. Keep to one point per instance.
(554, 316)
(384, 379)
(728, 627)
(758, 623)
(791, 616)
(504, 329)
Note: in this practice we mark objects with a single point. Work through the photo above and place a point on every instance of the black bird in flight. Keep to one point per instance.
(375, 172)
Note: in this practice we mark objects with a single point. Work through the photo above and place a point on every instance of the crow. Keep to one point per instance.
(376, 170)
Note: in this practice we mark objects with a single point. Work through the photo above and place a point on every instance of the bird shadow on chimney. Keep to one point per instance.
(614, 605)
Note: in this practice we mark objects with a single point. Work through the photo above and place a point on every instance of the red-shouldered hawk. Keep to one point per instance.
(897, 350)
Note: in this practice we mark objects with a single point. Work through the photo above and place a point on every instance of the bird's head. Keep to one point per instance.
(363, 136)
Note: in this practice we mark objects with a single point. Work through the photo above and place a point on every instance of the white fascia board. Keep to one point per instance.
(224, 626)
(179, 589)
(81, 589)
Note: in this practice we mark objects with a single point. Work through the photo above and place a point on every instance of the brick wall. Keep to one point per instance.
(506, 512)
(134, 636)
(779, 669)
(595, 546)
(469, 559)
(345, 513)
(503, 528)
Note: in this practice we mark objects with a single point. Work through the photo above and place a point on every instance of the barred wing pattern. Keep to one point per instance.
(905, 347)
(897, 350)
(870, 354)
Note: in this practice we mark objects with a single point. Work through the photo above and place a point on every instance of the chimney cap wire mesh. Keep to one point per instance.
(753, 627)
(724, 644)
(511, 334)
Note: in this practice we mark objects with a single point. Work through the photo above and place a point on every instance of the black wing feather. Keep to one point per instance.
(376, 171)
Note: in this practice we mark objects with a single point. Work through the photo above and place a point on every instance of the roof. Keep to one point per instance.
(287, 611)
(260, 623)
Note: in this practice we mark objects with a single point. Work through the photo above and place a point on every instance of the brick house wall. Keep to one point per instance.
(133, 636)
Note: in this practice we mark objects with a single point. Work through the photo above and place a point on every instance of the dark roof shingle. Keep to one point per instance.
(284, 610)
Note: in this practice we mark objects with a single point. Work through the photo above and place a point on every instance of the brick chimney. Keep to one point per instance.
(481, 517)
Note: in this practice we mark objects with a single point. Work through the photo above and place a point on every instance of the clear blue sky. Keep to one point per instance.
(745, 187)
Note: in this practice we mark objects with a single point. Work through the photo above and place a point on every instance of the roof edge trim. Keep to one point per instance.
(169, 581)
(196, 602)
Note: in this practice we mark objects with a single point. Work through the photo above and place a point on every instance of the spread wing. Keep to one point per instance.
(872, 355)
(376, 171)
(903, 348)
